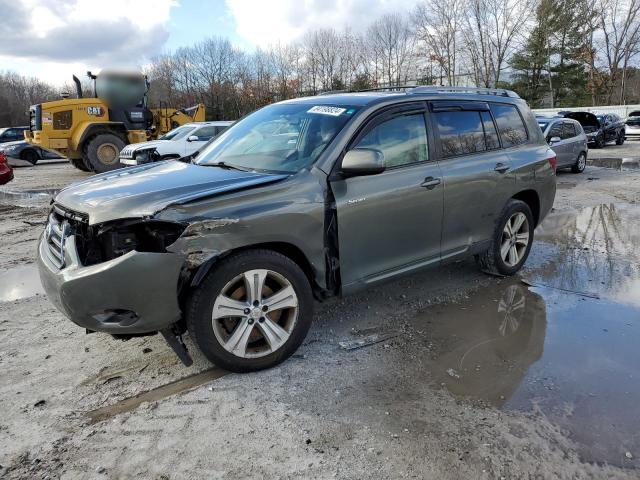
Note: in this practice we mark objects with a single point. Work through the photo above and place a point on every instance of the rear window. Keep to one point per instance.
(461, 132)
(510, 125)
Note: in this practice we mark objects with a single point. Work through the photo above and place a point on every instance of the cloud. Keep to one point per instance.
(114, 33)
(264, 23)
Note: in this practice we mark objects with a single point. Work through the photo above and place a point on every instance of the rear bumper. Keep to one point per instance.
(134, 293)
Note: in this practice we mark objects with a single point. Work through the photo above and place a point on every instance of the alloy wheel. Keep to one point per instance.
(255, 313)
(582, 162)
(515, 239)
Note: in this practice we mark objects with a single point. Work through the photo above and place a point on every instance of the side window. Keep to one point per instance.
(510, 124)
(568, 131)
(461, 132)
(402, 140)
(62, 120)
(555, 131)
(490, 132)
(205, 133)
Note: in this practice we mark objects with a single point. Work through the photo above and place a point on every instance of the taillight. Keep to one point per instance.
(3, 158)
(553, 161)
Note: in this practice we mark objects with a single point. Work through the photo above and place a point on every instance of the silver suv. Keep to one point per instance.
(303, 199)
(568, 140)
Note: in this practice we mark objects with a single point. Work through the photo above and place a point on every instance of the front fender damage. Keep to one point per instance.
(197, 242)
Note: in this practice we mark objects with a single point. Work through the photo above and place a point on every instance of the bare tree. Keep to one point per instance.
(393, 42)
(491, 28)
(438, 28)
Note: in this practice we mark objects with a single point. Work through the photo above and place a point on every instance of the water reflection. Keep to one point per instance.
(19, 282)
(489, 341)
(550, 349)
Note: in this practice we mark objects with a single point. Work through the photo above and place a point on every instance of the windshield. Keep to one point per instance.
(177, 133)
(2, 130)
(282, 138)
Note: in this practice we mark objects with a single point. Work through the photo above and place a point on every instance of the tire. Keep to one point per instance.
(580, 164)
(252, 352)
(30, 155)
(620, 138)
(102, 152)
(600, 143)
(80, 164)
(492, 261)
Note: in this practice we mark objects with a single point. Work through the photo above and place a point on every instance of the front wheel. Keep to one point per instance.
(580, 164)
(251, 312)
(102, 152)
(620, 138)
(30, 156)
(511, 242)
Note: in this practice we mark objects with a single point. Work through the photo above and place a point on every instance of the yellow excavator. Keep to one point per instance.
(90, 132)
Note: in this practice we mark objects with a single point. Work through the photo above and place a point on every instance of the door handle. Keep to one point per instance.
(501, 167)
(430, 183)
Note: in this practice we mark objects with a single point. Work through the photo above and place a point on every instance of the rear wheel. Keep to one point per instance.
(80, 164)
(102, 152)
(580, 164)
(511, 242)
(30, 156)
(251, 312)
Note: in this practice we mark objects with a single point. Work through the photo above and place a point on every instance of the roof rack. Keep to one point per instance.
(392, 88)
(479, 90)
(415, 89)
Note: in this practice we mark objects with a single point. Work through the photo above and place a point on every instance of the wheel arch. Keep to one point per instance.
(94, 129)
(532, 199)
(287, 249)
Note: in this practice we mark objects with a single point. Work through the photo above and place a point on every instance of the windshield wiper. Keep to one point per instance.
(228, 166)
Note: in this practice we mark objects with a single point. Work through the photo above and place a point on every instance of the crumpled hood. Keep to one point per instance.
(134, 147)
(144, 190)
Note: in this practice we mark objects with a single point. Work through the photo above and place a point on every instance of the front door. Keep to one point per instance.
(562, 148)
(390, 222)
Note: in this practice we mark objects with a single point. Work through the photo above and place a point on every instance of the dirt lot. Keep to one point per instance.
(528, 377)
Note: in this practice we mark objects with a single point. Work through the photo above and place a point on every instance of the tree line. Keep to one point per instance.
(554, 53)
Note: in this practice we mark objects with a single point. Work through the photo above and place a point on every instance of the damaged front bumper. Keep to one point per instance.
(135, 293)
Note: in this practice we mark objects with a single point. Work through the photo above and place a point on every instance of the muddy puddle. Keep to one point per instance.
(616, 163)
(562, 339)
(19, 282)
(28, 198)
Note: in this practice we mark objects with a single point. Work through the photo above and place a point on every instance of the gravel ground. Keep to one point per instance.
(381, 411)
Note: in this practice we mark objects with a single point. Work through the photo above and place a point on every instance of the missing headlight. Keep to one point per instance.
(112, 240)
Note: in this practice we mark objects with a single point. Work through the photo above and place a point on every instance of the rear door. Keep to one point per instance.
(477, 173)
(390, 222)
(570, 135)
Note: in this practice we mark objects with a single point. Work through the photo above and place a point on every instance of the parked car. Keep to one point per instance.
(600, 129)
(6, 172)
(568, 140)
(11, 134)
(234, 247)
(26, 151)
(632, 125)
(179, 142)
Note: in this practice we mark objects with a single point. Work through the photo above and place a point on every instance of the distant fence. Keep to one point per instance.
(620, 110)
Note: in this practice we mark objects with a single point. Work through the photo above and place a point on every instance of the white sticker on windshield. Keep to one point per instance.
(326, 110)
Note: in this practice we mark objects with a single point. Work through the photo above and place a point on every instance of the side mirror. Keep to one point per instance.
(362, 161)
(193, 138)
(553, 140)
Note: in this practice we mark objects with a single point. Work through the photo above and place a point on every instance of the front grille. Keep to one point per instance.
(61, 225)
(55, 234)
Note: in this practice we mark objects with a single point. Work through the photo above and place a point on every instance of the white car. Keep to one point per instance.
(179, 142)
(632, 125)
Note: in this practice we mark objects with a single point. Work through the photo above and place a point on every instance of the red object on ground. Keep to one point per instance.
(6, 172)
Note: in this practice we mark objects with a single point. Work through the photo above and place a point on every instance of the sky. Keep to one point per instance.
(53, 40)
